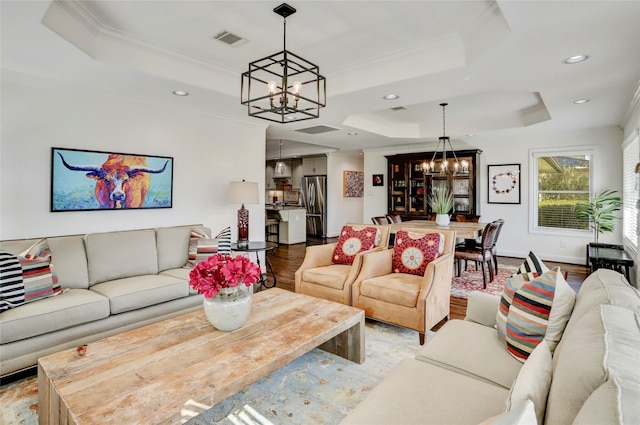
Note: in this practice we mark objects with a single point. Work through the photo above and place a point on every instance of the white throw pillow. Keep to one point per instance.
(533, 381)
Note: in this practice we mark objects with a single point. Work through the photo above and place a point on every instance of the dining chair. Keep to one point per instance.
(465, 218)
(394, 218)
(380, 220)
(481, 253)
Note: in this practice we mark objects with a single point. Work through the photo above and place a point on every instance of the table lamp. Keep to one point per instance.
(244, 193)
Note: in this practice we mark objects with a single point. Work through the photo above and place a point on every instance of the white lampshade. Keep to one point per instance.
(244, 193)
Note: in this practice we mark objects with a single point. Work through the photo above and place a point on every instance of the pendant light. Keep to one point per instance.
(283, 87)
(444, 168)
(280, 164)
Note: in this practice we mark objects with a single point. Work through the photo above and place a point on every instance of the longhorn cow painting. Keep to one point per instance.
(84, 180)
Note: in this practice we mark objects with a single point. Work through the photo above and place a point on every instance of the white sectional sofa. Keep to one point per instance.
(114, 282)
(464, 374)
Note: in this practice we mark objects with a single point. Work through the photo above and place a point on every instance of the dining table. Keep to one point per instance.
(464, 230)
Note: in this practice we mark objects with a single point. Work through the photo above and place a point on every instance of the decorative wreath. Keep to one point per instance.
(507, 175)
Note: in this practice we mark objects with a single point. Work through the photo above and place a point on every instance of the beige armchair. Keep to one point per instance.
(407, 300)
(319, 277)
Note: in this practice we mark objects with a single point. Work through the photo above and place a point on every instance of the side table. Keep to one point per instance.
(608, 256)
(259, 247)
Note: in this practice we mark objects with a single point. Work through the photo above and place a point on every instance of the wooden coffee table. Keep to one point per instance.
(157, 373)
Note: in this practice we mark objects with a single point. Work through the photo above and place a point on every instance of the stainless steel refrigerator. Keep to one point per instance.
(314, 195)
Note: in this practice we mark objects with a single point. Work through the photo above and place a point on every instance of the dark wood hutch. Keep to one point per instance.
(409, 185)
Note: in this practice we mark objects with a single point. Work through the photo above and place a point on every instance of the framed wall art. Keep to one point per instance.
(84, 180)
(353, 184)
(378, 180)
(504, 184)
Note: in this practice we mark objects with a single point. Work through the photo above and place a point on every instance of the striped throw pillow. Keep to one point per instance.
(539, 311)
(532, 266)
(24, 280)
(202, 247)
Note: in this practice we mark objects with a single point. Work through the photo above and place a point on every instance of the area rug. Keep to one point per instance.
(471, 280)
(316, 389)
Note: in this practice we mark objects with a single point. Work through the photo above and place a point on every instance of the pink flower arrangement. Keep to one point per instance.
(222, 271)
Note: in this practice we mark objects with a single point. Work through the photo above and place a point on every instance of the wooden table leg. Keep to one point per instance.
(349, 344)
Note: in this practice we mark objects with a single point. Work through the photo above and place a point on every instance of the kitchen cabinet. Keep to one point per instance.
(314, 166)
(293, 225)
(409, 185)
(297, 172)
(268, 179)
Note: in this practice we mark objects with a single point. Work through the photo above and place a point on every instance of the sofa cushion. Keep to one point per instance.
(141, 291)
(24, 280)
(71, 308)
(614, 403)
(332, 276)
(416, 392)
(69, 260)
(412, 252)
(604, 287)
(603, 344)
(471, 349)
(173, 245)
(352, 241)
(540, 310)
(117, 255)
(533, 381)
(395, 288)
(181, 273)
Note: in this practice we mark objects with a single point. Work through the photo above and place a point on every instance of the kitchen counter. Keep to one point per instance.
(293, 223)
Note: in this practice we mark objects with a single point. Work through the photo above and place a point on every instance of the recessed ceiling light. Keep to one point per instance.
(391, 97)
(352, 133)
(580, 101)
(470, 134)
(180, 93)
(575, 59)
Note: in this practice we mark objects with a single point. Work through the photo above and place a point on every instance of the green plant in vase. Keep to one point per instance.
(441, 202)
(600, 212)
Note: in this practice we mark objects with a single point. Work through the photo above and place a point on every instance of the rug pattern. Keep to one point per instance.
(316, 389)
(471, 280)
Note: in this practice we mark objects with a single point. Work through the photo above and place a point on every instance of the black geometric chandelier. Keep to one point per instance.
(458, 166)
(283, 87)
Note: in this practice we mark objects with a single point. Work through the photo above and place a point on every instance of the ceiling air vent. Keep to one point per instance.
(399, 108)
(229, 38)
(317, 129)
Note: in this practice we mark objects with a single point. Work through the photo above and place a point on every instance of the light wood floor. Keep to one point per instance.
(287, 259)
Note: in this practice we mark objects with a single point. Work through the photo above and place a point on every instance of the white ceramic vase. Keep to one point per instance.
(442, 219)
(228, 310)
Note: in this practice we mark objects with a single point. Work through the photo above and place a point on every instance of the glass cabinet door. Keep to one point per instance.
(417, 198)
(398, 195)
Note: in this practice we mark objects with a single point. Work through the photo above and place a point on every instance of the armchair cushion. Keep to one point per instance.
(396, 288)
(332, 276)
(352, 241)
(413, 251)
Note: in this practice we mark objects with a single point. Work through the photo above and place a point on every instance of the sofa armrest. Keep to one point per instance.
(482, 308)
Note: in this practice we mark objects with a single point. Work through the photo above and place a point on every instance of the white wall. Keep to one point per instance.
(208, 153)
(342, 210)
(512, 147)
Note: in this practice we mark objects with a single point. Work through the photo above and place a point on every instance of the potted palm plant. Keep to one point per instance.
(600, 211)
(441, 202)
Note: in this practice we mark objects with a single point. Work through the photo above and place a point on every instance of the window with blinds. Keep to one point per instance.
(563, 180)
(630, 157)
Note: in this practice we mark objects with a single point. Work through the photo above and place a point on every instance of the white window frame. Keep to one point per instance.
(630, 192)
(534, 154)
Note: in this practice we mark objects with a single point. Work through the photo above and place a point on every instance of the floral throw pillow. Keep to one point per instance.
(412, 252)
(351, 242)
